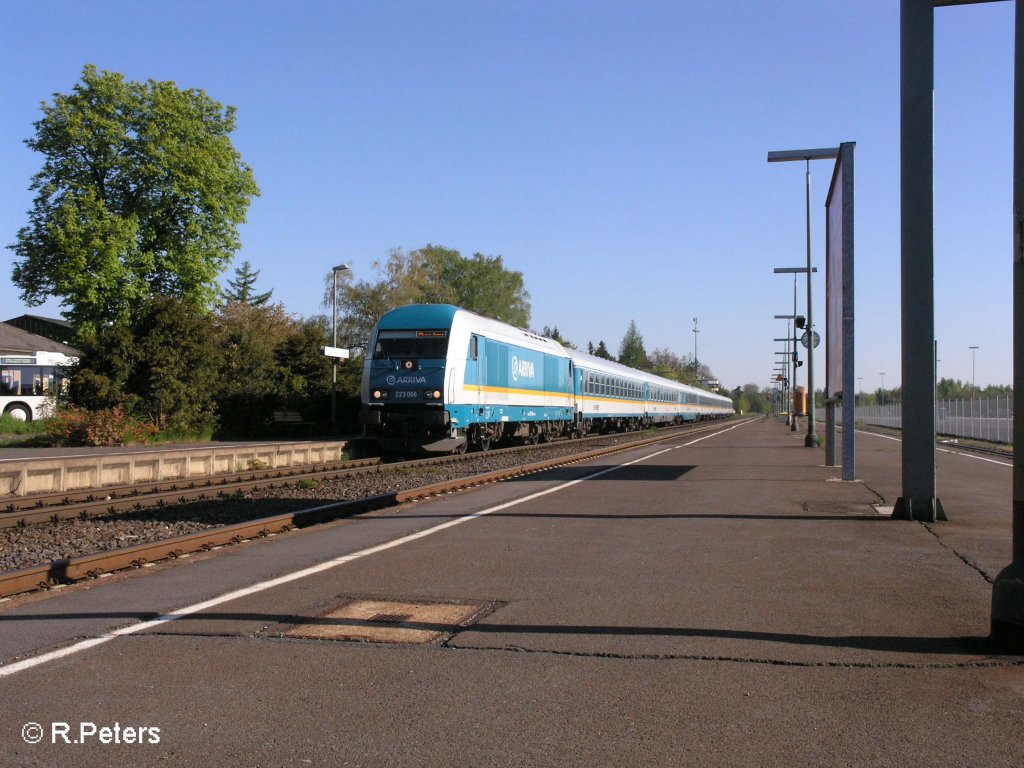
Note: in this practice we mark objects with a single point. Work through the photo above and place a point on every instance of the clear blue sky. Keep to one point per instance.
(615, 153)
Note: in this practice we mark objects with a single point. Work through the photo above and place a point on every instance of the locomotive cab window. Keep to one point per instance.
(423, 344)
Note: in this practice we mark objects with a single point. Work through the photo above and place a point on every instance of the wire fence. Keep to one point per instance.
(988, 419)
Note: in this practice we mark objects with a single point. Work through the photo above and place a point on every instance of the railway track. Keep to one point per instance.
(70, 569)
(22, 511)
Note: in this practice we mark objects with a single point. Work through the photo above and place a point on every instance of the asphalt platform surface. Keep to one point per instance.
(712, 601)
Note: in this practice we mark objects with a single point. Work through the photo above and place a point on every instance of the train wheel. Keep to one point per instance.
(461, 448)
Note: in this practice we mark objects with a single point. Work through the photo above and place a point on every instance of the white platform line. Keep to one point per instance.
(942, 450)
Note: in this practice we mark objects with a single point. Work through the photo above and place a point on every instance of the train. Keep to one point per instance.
(441, 379)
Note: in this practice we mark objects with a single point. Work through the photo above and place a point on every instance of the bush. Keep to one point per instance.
(109, 426)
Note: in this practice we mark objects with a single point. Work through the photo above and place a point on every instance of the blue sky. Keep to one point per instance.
(615, 153)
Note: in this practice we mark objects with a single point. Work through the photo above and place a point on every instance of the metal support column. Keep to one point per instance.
(811, 441)
(1008, 589)
(917, 52)
(849, 404)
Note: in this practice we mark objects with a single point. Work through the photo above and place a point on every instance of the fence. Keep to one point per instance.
(982, 419)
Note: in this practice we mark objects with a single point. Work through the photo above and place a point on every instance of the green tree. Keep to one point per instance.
(668, 365)
(602, 351)
(631, 350)
(480, 284)
(241, 288)
(141, 194)
(252, 380)
(360, 304)
(554, 334)
(162, 367)
(429, 275)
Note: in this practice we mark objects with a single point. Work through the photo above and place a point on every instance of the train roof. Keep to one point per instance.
(445, 316)
(419, 315)
(449, 316)
(592, 362)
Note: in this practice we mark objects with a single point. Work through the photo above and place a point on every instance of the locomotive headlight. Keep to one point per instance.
(380, 394)
(432, 394)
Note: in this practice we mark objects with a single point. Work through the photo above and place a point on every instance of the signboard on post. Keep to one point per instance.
(335, 352)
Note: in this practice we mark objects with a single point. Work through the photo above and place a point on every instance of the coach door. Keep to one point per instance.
(476, 369)
(573, 391)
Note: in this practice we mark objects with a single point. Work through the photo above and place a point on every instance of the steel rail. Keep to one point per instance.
(24, 511)
(81, 567)
(34, 510)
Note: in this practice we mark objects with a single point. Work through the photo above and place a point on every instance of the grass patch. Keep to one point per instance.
(12, 426)
(23, 434)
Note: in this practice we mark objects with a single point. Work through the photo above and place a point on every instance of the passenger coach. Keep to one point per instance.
(439, 379)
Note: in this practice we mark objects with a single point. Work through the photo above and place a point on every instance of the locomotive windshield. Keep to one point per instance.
(393, 345)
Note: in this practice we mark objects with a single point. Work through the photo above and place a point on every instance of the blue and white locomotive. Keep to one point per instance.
(441, 379)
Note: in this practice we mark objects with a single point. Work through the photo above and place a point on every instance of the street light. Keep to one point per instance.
(974, 350)
(696, 367)
(334, 343)
(807, 155)
(795, 271)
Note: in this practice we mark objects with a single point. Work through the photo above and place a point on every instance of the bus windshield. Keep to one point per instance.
(417, 345)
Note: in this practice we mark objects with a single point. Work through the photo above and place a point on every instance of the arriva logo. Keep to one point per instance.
(522, 369)
(392, 380)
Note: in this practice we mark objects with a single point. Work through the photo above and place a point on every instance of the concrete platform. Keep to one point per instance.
(718, 601)
(25, 471)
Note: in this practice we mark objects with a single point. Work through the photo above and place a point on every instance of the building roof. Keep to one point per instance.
(53, 320)
(50, 327)
(16, 341)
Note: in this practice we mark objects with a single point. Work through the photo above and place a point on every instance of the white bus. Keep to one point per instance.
(29, 383)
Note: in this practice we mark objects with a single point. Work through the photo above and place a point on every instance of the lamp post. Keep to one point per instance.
(696, 366)
(974, 350)
(810, 346)
(785, 373)
(791, 361)
(334, 343)
(807, 155)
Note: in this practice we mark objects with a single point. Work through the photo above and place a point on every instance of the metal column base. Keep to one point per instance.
(1008, 609)
(811, 441)
(924, 509)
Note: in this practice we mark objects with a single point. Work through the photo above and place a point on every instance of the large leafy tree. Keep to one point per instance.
(161, 367)
(481, 284)
(248, 337)
(141, 194)
(428, 275)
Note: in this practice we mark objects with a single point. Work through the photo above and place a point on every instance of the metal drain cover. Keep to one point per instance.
(838, 508)
(389, 621)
